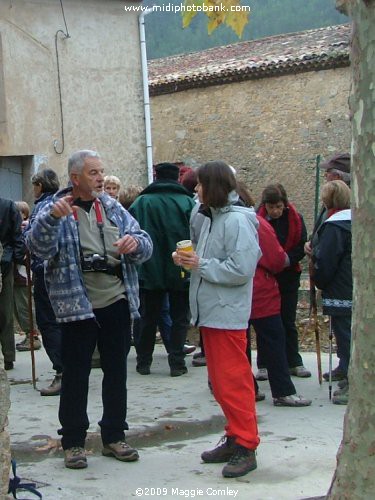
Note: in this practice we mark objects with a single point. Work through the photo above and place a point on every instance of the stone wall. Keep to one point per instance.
(270, 130)
(100, 78)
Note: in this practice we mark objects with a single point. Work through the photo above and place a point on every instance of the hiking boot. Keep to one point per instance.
(8, 365)
(337, 375)
(300, 371)
(177, 372)
(293, 400)
(240, 463)
(198, 355)
(341, 396)
(221, 453)
(188, 349)
(75, 458)
(342, 383)
(25, 344)
(54, 388)
(262, 374)
(143, 370)
(260, 396)
(199, 361)
(120, 450)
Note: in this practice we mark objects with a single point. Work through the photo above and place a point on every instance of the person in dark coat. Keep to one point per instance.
(13, 253)
(45, 184)
(333, 269)
(291, 232)
(163, 210)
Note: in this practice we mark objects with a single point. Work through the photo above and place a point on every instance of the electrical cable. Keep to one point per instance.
(66, 35)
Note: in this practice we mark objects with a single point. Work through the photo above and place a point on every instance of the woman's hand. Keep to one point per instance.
(188, 260)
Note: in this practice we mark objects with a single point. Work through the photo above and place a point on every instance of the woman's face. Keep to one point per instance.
(275, 210)
(37, 188)
(112, 189)
(199, 191)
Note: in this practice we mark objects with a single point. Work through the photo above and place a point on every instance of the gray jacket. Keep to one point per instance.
(221, 288)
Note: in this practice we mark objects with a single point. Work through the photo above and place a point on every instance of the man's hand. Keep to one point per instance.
(62, 207)
(126, 244)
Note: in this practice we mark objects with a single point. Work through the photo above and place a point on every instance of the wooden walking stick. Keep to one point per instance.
(31, 317)
(314, 316)
(313, 302)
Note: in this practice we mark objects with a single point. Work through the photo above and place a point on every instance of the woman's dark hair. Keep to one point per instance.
(274, 193)
(48, 179)
(217, 180)
(244, 193)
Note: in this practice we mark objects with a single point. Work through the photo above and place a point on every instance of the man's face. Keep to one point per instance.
(331, 176)
(89, 183)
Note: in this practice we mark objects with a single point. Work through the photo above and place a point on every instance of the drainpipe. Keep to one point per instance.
(146, 96)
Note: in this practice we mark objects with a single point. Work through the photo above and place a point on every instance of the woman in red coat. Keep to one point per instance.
(266, 319)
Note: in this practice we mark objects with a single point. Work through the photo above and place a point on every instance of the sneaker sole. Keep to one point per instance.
(80, 464)
(298, 405)
(238, 474)
(132, 457)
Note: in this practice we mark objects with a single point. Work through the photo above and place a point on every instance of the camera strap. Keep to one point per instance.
(99, 223)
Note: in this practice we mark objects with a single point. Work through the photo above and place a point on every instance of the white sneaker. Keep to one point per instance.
(293, 400)
(262, 374)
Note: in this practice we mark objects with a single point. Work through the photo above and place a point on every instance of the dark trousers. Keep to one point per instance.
(151, 307)
(111, 331)
(6, 317)
(341, 326)
(46, 321)
(289, 301)
(270, 336)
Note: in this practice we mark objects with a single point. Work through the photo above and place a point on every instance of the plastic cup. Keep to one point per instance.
(186, 246)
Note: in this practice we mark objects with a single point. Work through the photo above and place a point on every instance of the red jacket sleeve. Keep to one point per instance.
(273, 258)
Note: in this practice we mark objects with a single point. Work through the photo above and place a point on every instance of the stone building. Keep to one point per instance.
(66, 83)
(268, 107)
(61, 93)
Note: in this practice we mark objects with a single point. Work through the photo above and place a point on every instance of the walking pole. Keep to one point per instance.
(31, 318)
(330, 359)
(314, 316)
(313, 302)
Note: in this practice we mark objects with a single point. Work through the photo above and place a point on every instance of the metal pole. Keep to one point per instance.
(330, 359)
(31, 318)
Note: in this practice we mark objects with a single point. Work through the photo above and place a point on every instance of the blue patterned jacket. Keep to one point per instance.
(56, 241)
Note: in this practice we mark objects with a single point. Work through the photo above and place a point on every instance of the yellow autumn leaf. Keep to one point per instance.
(218, 12)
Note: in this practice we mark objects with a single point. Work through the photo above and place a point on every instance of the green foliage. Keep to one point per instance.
(165, 35)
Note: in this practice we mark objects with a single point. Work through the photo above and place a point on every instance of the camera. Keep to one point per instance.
(94, 262)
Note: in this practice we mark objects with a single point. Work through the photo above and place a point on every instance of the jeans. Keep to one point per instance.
(151, 307)
(271, 346)
(341, 326)
(46, 321)
(111, 331)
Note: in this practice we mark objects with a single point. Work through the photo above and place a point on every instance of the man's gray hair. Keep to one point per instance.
(344, 176)
(77, 160)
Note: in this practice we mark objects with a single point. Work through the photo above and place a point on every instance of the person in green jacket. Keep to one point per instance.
(163, 210)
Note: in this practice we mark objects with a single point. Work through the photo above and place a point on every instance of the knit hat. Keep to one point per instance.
(339, 161)
(167, 171)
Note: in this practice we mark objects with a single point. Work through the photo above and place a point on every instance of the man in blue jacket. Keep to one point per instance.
(92, 246)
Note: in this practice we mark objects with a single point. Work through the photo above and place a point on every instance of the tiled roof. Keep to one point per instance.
(311, 50)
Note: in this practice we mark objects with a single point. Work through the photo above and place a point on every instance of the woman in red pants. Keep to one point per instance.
(222, 271)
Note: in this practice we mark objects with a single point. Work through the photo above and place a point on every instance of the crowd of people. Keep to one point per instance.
(106, 273)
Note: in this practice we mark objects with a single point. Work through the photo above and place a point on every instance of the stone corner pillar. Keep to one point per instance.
(4, 435)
